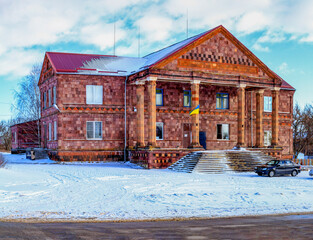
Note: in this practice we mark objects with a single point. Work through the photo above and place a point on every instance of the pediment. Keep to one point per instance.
(218, 52)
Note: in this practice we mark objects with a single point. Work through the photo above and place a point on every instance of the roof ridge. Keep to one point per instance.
(82, 54)
(175, 43)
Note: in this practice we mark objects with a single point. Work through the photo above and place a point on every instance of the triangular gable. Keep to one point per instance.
(47, 69)
(251, 60)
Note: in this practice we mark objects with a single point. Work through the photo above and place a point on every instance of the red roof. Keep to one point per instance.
(71, 61)
(285, 85)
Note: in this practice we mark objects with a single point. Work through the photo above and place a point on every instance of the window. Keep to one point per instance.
(159, 131)
(15, 137)
(44, 100)
(50, 131)
(267, 104)
(187, 98)
(94, 94)
(49, 93)
(159, 97)
(94, 130)
(223, 131)
(222, 100)
(54, 95)
(267, 138)
(55, 130)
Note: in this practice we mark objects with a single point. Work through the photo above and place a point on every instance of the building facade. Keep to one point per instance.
(98, 107)
(25, 135)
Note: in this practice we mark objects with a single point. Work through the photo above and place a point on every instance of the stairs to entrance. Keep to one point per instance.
(220, 161)
(186, 163)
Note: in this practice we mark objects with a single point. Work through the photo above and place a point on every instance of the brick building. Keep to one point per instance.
(242, 103)
(24, 135)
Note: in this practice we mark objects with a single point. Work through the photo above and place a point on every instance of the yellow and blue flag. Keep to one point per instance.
(195, 111)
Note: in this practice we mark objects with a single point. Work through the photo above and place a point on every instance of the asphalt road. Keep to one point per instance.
(264, 227)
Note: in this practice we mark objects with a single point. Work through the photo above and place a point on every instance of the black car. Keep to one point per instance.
(278, 167)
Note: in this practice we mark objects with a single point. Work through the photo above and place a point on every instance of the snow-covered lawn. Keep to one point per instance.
(113, 191)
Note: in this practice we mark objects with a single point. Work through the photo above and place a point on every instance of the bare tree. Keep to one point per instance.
(5, 133)
(26, 105)
(302, 130)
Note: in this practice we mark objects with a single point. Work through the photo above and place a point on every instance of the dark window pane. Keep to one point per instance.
(159, 131)
(219, 131)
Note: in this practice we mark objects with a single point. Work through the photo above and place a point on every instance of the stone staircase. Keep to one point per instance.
(186, 163)
(220, 161)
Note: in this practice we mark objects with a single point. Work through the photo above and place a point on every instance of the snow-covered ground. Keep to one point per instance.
(114, 191)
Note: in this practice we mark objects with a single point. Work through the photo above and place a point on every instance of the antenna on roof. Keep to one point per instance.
(139, 41)
(187, 24)
(114, 36)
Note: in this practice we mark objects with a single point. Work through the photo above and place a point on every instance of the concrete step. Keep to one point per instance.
(220, 161)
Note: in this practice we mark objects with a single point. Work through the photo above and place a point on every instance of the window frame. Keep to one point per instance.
(156, 125)
(50, 132)
(54, 95)
(189, 96)
(55, 133)
(217, 134)
(159, 94)
(93, 102)
(222, 102)
(268, 105)
(94, 130)
(49, 96)
(44, 100)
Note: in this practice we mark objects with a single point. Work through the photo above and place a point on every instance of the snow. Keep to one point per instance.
(48, 190)
(120, 66)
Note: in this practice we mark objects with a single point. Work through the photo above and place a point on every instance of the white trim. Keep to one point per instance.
(93, 130)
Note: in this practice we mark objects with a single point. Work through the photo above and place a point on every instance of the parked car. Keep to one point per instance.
(278, 167)
(311, 172)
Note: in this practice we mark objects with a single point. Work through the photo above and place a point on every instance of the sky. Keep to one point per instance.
(279, 32)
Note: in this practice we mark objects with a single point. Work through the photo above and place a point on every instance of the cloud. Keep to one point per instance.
(307, 38)
(18, 62)
(284, 69)
(29, 24)
(102, 35)
(257, 46)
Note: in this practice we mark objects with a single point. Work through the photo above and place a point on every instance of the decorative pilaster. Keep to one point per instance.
(241, 115)
(140, 95)
(195, 118)
(152, 111)
(259, 118)
(275, 105)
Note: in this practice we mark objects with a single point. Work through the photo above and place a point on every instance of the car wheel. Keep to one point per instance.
(271, 173)
(260, 174)
(294, 173)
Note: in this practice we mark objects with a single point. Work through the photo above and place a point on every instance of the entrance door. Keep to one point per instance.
(202, 139)
(267, 138)
(45, 136)
(186, 135)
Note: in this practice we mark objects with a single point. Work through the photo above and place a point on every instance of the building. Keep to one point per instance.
(242, 103)
(24, 135)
